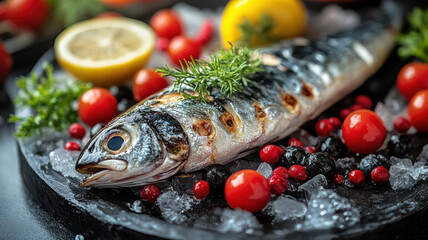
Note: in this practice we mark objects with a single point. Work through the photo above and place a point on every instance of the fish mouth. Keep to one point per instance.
(101, 169)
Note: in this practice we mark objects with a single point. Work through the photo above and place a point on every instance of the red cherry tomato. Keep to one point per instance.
(412, 78)
(418, 111)
(5, 63)
(147, 82)
(363, 131)
(248, 190)
(25, 14)
(166, 24)
(97, 105)
(183, 48)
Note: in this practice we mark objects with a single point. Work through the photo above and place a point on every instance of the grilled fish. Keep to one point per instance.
(166, 134)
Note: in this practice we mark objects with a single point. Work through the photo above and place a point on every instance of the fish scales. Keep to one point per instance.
(302, 78)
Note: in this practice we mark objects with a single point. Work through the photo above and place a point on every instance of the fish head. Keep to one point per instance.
(133, 150)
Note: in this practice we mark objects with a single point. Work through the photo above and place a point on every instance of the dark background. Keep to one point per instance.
(20, 218)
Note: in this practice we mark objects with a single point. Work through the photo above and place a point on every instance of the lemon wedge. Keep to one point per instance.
(105, 51)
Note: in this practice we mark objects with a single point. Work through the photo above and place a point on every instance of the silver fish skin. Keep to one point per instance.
(166, 134)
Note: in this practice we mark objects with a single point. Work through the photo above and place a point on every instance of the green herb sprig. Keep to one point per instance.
(68, 12)
(415, 42)
(226, 71)
(51, 105)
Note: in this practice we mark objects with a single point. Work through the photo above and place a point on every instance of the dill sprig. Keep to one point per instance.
(260, 31)
(226, 71)
(50, 104)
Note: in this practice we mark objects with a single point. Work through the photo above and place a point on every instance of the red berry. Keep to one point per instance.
(72, 146)
(271, 154)
(338, 179)
(356, 177)
(201, 189)
(364, 101)
(280, 172)
(76, 130)
(298, 172)
(205, 33)
(248, 190)
(335, 122)
(401, 124)
(356, 107)
(277, 184)
(380, 175)
(295, 142)
(310, 149)
(150, 192)
(363, 131)
(162, 44)
(344, 113)
(324, 127)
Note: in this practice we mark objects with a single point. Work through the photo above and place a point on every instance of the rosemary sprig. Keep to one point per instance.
(51, 105)
(226, 71)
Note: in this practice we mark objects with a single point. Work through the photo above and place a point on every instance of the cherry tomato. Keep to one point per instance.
(412, 78)
(5, 63)
(363, 131)
(418, 111)
(25, 14)
(183, 48)
(97, 105)
(166, 24)
(147, 82)
(248, 190)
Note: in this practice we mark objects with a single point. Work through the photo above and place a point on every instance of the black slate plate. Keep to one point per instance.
(103, 213)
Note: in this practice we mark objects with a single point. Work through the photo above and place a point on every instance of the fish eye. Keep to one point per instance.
(115, 143)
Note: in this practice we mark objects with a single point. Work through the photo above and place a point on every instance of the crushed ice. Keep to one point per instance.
(285, 208)
(237, 221)
(312, 186)
(64, 161)
(327, 210)
(265, 169)
(404, 174)
(175, 206)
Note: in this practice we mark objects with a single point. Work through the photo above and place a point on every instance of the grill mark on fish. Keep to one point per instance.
(228, 122)
(290, 102)
(307, 91)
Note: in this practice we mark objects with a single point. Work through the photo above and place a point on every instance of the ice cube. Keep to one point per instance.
(64, 161)
(386, 116)
(394, 102)
(346, 165)
(265, 169)
(305, 137)
(404, 174)
(312, 186)
(285, 208)
(175, 206)
(327, 210)
(237, 221)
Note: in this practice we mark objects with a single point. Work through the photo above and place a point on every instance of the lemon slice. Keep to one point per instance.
(105, 51)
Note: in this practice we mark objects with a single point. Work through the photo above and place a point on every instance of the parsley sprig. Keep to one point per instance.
(415, 42)
(50, 104)
(226, 71)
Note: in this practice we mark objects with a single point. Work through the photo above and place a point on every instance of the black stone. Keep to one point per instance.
(216, 176)
(121, 92)
(370, 162)
(334, 147)
(292, 155)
